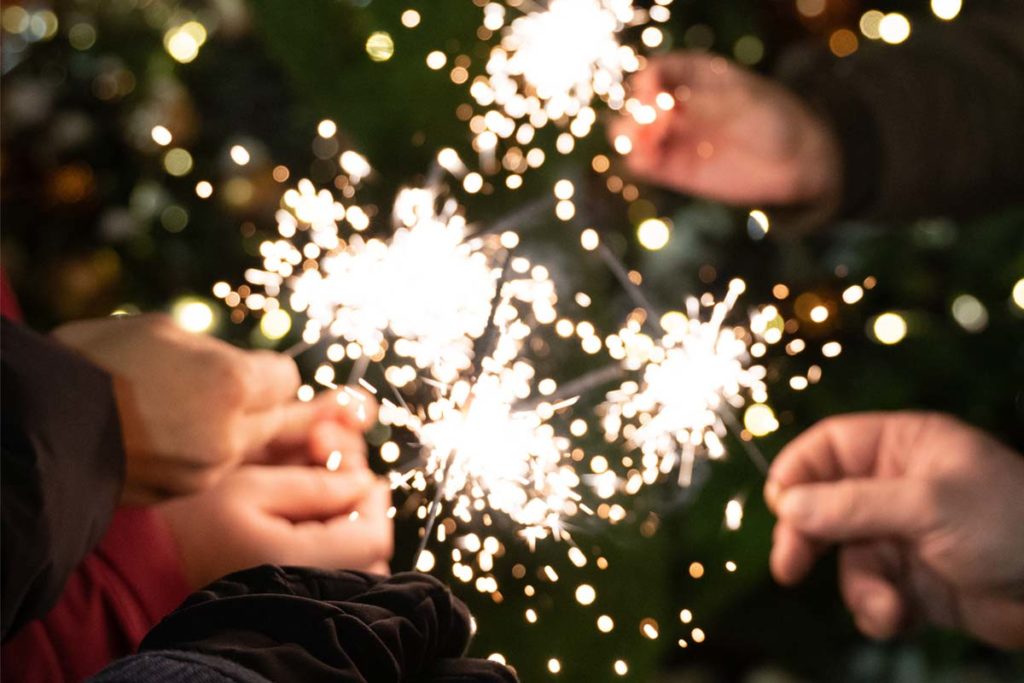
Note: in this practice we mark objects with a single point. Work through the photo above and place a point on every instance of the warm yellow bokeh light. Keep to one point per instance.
(275, 324)
(1018, 293)
(653, 233)
(193, 315)
(889, 328)
(759, 419)
(894, 28)
(946, 10)
(380, 46)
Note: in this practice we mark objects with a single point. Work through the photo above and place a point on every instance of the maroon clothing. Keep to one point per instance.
(119, 591)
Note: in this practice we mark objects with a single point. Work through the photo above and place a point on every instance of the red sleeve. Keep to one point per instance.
(122, 589)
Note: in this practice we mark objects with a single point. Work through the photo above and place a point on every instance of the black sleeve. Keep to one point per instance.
(932, 126)
(294, 623)
(62, 468)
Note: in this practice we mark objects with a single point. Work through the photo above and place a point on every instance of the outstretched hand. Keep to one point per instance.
(730, 135)
(926, 512)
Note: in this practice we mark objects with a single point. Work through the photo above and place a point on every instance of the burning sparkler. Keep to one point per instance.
(428, 286)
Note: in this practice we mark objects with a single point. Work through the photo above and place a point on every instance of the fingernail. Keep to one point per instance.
(795, 505)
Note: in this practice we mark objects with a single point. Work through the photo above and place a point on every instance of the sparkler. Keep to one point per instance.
(427, 287)
(691, 380)
(550, 66)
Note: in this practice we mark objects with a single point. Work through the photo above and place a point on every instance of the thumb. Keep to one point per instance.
(853, 509)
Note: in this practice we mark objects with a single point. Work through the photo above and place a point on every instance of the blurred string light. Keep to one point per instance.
(1018, 294)
(894, 28)
(193, 315)
(947, 10)
(970, 313)
(183, 42)
(380, 46)
(889, 328)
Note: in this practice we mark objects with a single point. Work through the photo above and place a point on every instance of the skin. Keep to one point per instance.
(193, 408)
(288, 515)
(927, 516)
(731, 135)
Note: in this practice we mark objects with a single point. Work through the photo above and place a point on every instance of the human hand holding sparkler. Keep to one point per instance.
(193, 407)
(729, 134)
(283, 515)
(928, 514)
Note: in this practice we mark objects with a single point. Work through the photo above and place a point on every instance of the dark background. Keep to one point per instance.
(91, 222)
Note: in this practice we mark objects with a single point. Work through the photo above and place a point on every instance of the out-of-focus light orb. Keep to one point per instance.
(697, 635)
(178, 162)
(946, 10)
(894, 28)
(759, 419)
(389, 451)
(686, 616)
(621, 668)
(193, 315)
(869, 24)
(436, 60)
(473, 182)
(204, 189)
(275, 324)
(326, 128)
(410, 18)
(819, 314)
(425, 562)
(748, 50)
(564, 189)
(733, 514)
(622, 144)
(970, 313)
(649, 628)
(380, 46)
(605, 623)
(82, 36)
(161, 136)
(497, 657)
(831, 349)
(843, 42)
(589, 239)
(653, 233)
(554, 666)
(853, 294)
(652, 36)
(889, 328)
(240, 155)
(585, 594)
(183, 42)
(810, 8)
(355, 165)
(758, 224)
(1018, 293)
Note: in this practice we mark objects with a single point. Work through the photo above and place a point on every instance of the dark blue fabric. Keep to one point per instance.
(175, 666)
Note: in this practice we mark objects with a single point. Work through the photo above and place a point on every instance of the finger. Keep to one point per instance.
(270, 379)
(837, 447)
(876, 603)
(352, 541)
(358, 407)
(337, 446)
(303, 493)
(793, 554)
(381, 568)
(854, 509)
(285, 424)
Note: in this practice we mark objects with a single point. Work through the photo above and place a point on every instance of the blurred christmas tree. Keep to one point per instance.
(146, 144)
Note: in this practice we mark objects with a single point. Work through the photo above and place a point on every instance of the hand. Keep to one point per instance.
(928, 515)
(731, 135)
(193, 407)
(286, 515)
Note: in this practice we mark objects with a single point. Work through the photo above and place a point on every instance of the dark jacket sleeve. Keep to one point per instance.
(292, 623)
(931, 126)
(63, 468)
